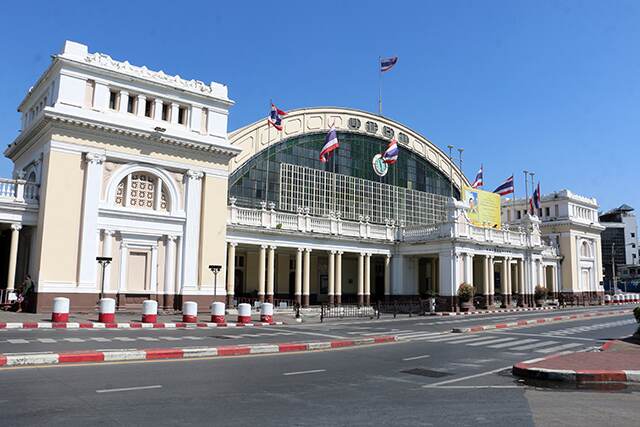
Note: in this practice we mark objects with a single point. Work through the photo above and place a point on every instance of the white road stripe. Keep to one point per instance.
(473, 339)
(47, 340)
(455, 380)
(74, 339)
(100, 339)
(509, 344)
(406, 359)
(148, 339)
(17, 341)
(114, 390)
(315, 371)
(535, 345)
(558, 348)
(491, 342)
(123, 339)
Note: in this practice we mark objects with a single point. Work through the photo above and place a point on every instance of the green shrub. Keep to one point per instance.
(540, 292)
(465, 292)
(636, 313)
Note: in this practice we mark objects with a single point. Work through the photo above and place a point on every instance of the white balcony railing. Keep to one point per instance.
(18, 190)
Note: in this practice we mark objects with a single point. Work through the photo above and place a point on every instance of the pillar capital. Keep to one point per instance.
(340, 252)
(300, 249)
(171, 238)
(308, 250)
(234, 244)
(94, 158)
(332, 252)
(193, 174)
(264, 246)
(108, 233)
(273, 247)
(16, 227)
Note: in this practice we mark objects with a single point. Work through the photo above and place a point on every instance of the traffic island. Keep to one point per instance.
(616, 362)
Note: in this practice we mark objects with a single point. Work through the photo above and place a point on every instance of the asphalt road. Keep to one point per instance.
(442, 380)
(416, 328)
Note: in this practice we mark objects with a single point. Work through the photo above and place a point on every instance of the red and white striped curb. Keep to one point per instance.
(130, 325)
(183, 353)
(523, 369)
(502, 310)
(538, 321)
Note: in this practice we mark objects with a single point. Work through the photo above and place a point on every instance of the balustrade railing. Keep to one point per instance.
(18, 190)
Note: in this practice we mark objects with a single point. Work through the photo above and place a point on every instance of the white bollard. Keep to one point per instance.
(107, 310)
(607, 299)
(149, 311)
(190, 312)
(266, 312)
(244, 313)
(60, 310)
(217, 312)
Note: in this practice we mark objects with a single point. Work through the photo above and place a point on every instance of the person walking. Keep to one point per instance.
(26, 293)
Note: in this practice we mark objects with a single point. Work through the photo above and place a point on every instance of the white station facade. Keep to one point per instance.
(119, 161)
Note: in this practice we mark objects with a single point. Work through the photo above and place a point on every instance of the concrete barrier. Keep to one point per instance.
(244, 313)
(149, 311)
(266, 312)
(107, 310)
(217, 312)
(60, 310)
(190, 312)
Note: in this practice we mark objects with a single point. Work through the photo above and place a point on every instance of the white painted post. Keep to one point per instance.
(60, 310)
(149, 311)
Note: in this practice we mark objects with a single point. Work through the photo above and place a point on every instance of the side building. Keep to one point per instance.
(568, 222)
(620, 244)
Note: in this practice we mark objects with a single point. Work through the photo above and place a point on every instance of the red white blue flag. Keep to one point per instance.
(506, 187)
(330, 143)
(387, 63)
(479, 179)
(275, 117)
(390, 155)
(534, 202)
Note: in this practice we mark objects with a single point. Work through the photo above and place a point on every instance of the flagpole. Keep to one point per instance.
(533, 208)
(266, 190)
(379, 86)
(513, 197)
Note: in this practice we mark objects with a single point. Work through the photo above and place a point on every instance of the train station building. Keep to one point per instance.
(116, 160)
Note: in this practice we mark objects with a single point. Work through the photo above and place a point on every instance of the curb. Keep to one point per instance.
(575, 376)
(130, 325)
(538, 321)
(502, 310)
(31, 359)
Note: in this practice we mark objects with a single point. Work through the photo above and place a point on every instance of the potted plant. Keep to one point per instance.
(465, 296)
(540, 295)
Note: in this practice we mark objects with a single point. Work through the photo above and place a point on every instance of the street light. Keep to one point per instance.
(215, 269)
(104, 262)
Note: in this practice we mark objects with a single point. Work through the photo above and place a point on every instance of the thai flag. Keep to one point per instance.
(330, 143)
(506, 187)
(390, 155)
(478, 182)
(536, 197)
(387, 63)
(275, 117)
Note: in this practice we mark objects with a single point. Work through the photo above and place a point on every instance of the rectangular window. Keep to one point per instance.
(182, 115)
(633, 235)
(88, 95)
(166, 111)
(547, 211)
(113, 99)
(148, 108)
(131, 104)
(519, 215)
(204, 121)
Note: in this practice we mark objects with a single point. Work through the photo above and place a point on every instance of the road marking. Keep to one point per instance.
(473, 344)
(406, 359)
(473, 339)
(479, 386)
(314, 334)
(558, 348)
(315, 371)
(115, 390)
(47, 340)
(17, 341)
(455, 380)
(509, 344)
(544, 335)
(535, 345)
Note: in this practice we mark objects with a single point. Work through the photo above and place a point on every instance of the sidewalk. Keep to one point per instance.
(617, 361)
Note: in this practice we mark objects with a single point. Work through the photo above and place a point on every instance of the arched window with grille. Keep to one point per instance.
(142, 190)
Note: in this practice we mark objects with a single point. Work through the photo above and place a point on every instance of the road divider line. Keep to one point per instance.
(455, 380)
(116, 390)
(424, 356)
(314, 371)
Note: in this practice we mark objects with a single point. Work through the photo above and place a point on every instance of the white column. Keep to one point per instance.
(298, 288)
(271, 272)
(124, 101)
(387, 275)
(87, 271)
(191, 240)
(332, 276)
(492, 285)
(367, 278)
(465, 268)
(169, 265)
(174, 113)
(107, 251)
(157, 110)
(142, 103)
(154, 269)
(521, 285)
(13, 255)
(338, 292)
(124, 255)
(261, 271)
(360, 278)
(485, 271)
(231, 270)
(307, 277)
(157, 195)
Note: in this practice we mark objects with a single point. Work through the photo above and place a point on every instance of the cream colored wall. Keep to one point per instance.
(160, 265)
(213, 228)
(251, 272)
(570, 262)
(60, 215)
(282, 274)
(114, 280)
(349, 272)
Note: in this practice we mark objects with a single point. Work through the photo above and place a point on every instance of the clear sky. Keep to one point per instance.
(549, 86)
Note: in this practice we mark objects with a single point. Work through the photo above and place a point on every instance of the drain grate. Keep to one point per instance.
(425, 373)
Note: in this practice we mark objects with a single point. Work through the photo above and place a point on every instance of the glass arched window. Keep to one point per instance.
(585, 250)
(141, 190)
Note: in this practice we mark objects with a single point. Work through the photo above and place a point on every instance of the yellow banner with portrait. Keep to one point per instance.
(483, 207)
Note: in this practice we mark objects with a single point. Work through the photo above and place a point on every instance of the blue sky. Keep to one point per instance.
(549, 86)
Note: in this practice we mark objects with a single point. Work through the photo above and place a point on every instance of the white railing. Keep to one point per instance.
(18, 190)
(303, 222)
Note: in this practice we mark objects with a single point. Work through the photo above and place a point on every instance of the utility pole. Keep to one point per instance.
(613, 267)
(526, 191)
(450, 170)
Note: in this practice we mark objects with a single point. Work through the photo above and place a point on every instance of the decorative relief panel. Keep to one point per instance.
(314, 122)
(293, 126)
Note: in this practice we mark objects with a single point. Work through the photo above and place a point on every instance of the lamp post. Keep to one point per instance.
(104, 262)
(215, 269)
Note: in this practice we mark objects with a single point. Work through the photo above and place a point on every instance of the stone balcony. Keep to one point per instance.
(18, 190)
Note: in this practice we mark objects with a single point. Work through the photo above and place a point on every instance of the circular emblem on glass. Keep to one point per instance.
(379, 166)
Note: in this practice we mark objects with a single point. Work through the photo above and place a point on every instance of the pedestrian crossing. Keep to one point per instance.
(492, 341)
(595, 327)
